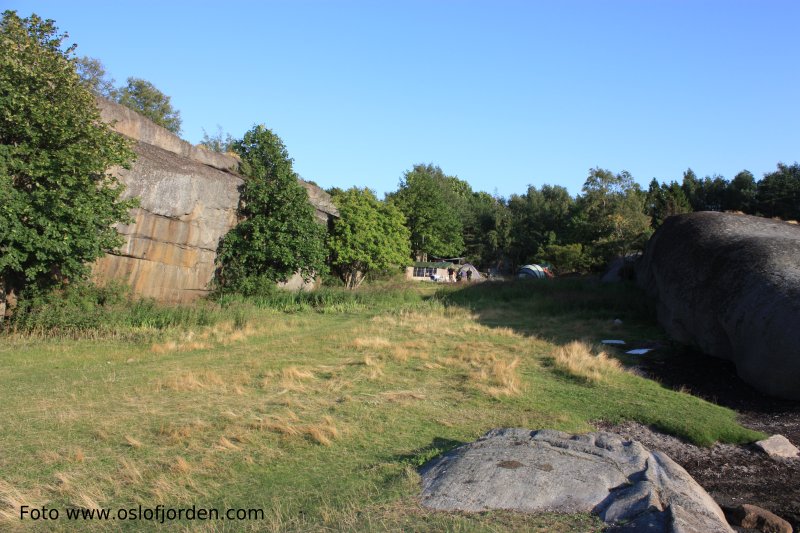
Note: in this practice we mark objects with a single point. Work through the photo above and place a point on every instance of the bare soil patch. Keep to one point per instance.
(732, 474)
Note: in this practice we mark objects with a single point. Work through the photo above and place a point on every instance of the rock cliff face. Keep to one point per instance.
(730, 285)
(188, 201)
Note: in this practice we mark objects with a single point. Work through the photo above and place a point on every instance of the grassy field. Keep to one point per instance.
(318, 409)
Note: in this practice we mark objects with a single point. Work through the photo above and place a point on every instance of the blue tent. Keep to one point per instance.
(534, 272)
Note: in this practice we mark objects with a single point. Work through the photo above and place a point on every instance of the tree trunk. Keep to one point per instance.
(354, 279)
(2, 301)
(8, 300)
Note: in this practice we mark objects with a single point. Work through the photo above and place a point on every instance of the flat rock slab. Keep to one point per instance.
(536, 471)
(778, 446)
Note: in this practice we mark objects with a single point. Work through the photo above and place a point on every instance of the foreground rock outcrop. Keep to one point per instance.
(730, 285)
(188, 202)
(535, 471)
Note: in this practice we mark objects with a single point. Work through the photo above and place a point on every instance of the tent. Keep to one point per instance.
(534, 272)
(466, 267)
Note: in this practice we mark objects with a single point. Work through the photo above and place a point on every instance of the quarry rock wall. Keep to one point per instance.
(188, 202)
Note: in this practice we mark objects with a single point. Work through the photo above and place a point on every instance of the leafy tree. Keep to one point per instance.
(57, 201)
(707, 194)
(219, 142)
(539, 218)
(143, 97)
(714, 193)
(370, 235)
(433, 211)
(693, 190)
(334, 191)
(566, 258)
(94, 76)
(741, 193)
(779, 192)
(486, 229)
(663, 201)
(612, 221)
(277, 234)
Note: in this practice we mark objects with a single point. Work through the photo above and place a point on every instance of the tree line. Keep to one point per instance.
(58, 203)
(611, 217)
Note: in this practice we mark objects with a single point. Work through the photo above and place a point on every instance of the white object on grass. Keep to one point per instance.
(612, 341)
(639, 351)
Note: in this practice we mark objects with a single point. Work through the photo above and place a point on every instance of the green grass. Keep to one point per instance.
(317, 408)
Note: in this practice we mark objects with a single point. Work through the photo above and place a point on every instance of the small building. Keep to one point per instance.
(429, 271)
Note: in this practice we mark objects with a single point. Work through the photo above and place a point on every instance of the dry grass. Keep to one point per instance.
(401, 353)
(401, 396)
(132, 442)
(129, 472)
(289, 379)
(374, 367)
(371, 343)
(226, 444)
(285, 424)
(193, 381)
(292, 373)
(87, 500)
(11, 500)
(289, 424)
(221, 334)
(323, 432)
(180, 434)
(179, 346)
(577, 360)
(500, 378)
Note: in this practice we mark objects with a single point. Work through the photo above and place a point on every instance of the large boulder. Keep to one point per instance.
(730, 285)
(536, 471)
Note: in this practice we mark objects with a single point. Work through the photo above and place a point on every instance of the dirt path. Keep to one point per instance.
(731, 474)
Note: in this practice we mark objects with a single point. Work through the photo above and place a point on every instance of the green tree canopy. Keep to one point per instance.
(540, 218)
(277, 234)
(219, 142)
(94, 76)
(57, 201)
(433, 211)
(486, 230)
(664, 200)
(612, 217)
(369, 235)
(779, 192)
(741, 193)
(143, 97)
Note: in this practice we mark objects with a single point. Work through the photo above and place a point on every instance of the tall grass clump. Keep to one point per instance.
(577, 360)
(337, 299)
(87, 310)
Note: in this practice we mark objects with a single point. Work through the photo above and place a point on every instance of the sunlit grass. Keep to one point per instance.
(320, 417)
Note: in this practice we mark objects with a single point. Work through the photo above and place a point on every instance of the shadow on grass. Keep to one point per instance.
(564, 310)
(559, 310)
(419, 457)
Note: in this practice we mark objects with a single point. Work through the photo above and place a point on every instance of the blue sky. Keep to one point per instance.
(502, 94)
